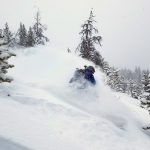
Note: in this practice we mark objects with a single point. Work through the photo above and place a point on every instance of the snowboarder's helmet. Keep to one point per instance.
(85, 66)
(91, 68)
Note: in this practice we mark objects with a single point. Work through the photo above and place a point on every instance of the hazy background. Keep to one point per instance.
(123, 24)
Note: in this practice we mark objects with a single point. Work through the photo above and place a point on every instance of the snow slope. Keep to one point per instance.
(43, 112)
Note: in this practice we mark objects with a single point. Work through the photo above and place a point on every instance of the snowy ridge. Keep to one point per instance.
(44, 113)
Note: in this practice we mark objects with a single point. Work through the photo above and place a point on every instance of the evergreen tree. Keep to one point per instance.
(7, 34)
(146, 83)
(30, 38)
(68, 50)
(1, 34)
(2, 40)
(114, 80)
(138, 75)
(139, 90)
(146, 86)
(97, 59)
(4, 56)
(1, 37)
(88, 40)
(38, 30)
(131, 88)
(106, 68)
(22, 35)
(124, 85)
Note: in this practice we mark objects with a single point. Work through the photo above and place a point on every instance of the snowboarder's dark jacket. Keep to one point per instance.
(88, 75)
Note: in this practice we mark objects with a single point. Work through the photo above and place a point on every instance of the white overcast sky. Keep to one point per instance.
(123, 24)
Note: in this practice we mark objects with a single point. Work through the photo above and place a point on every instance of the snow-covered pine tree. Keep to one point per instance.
(138, 82)
(38, 29)
(97, 59)
(30, 38)
(22, 35)
(4, 56)
(106, 68)
(114, 80)
(7, 34)
(138, 74)
(124, 84)
(131, 88)
(1, 37)
(138, 90)
(2, 40)
(146, 86)
(1, 33)
(89, 38)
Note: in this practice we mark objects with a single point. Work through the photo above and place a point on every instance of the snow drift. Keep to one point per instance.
(43, 112)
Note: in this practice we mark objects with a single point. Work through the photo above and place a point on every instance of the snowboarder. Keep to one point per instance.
(82, 75)
(88, 74)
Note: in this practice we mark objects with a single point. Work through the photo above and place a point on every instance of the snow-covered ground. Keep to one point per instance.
(43, 112)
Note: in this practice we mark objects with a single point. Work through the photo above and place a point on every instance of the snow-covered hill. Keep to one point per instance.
(43, 112)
